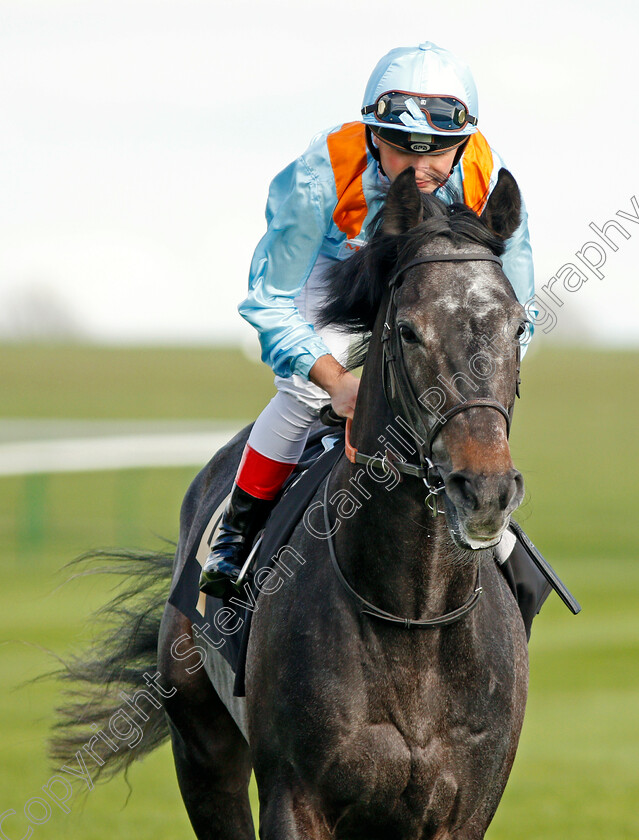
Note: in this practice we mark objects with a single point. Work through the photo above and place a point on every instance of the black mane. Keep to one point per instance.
(355, 286)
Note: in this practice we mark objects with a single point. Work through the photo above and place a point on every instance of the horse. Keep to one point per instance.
(386, 677)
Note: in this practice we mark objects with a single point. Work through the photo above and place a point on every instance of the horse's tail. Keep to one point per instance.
(95, 722)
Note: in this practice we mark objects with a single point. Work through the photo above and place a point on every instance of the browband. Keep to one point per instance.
(458, 257)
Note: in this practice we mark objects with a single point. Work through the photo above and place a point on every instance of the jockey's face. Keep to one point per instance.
(431, 170)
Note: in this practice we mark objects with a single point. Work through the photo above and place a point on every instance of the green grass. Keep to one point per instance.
(113, 382)
(577, 770)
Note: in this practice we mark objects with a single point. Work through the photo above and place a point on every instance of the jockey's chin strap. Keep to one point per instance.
(403, 401)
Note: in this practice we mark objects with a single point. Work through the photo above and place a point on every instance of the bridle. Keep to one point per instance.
(404, 402)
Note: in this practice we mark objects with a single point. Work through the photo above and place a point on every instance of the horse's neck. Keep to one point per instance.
(390, 550)
(393, 550)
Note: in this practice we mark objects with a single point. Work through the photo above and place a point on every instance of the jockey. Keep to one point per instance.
(420, 109)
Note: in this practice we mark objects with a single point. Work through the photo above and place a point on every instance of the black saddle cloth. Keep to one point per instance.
(225, 624)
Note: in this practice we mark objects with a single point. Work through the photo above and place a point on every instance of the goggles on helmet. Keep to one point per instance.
(443, 113)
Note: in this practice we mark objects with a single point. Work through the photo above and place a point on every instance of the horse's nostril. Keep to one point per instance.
(472, 492)
(516, 493)
(461, 491)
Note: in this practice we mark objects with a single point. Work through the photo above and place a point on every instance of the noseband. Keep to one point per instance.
(402, 399)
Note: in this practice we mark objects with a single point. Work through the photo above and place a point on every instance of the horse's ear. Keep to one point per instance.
(403, 209)
(503, 208)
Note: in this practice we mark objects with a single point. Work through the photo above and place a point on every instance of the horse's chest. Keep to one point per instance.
(424, 765)
(384, 780)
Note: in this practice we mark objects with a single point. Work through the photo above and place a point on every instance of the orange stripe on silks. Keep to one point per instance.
(477, 165)
(347, 150)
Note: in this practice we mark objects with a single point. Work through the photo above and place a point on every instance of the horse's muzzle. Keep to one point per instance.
(483, 503)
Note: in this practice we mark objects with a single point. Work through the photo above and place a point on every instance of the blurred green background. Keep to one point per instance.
(574, 438)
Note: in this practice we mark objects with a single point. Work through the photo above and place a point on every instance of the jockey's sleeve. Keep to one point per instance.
(481, 165)
(298, 216)
(517, 258)
(518, 268)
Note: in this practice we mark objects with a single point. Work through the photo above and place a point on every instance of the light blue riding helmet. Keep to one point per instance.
(415, 93)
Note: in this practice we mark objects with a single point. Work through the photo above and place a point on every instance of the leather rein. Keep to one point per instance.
(405, 405)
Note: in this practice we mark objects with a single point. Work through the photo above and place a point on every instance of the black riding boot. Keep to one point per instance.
(242, 519)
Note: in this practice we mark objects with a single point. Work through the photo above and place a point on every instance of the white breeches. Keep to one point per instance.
(281, 430)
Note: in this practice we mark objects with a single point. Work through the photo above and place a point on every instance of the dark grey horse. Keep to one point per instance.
(358, 726)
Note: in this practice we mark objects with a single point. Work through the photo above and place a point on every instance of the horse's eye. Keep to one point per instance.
(521, 329)
(407, 335)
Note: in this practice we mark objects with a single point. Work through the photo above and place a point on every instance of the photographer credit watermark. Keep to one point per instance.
(570, 277)
(123, 730)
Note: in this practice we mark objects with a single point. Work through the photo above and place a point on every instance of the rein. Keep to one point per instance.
(377, 612)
